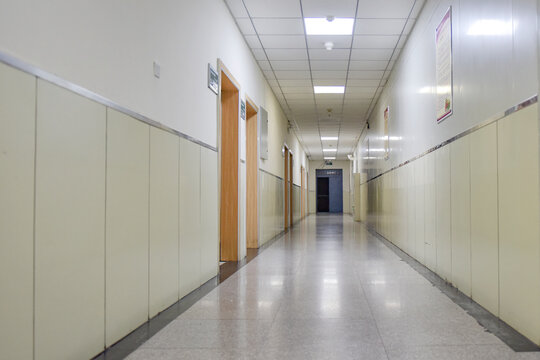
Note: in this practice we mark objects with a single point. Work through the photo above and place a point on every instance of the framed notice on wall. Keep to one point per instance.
(443, 63)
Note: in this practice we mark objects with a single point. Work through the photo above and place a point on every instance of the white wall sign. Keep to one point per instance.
(443, 48)
(213, 79)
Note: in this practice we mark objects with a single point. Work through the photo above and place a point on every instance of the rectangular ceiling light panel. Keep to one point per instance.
(321, 26)
(329, 89)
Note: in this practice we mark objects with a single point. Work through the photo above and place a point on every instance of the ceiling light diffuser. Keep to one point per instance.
(325, 26)
(329, 137)
(329, 150)
(329, 158)
(329, 89)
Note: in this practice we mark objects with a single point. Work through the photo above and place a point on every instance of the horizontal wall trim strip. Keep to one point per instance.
(54, 79)
(269, 173)
(531, 101)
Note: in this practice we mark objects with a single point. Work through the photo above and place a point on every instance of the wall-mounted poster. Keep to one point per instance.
(386, 133)
(443, 48)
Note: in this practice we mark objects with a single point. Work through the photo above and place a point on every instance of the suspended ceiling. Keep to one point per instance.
(293, 62)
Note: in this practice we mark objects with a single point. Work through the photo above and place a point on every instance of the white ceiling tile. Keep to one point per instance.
(265, 65)
(291, 65)
(273, 83)
(253, 41)
(339, 41)
(259, 54)
(245, 26)
(379, 26)
(375, 41)
(334, 82)
(401, 42)
(368, 65)
(273, 9)
(366, 75)
(396, 54)
(323, 8)
(283, 41)
(328, 97)
(328, 75)
(292, 74)
(417, 8)
(323, 54)
(297, 89)
(295, 83)
(369, 90)
(299, 96)
(409, 26)
(329, 65)
(237, 8)
(269, 75)
(358, 97)
(279, 26)
(384, 8)
(371, 54)
(286, 54)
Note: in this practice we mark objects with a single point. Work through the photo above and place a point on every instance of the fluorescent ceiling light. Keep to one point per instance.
(329, 150)
(326, 26)
(329, 89)
(329, 137)
(329, 158)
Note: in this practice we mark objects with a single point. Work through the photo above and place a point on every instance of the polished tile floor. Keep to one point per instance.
(328, 289)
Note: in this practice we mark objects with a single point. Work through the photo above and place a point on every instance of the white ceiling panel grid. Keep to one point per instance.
(272, 26)
(293, 62)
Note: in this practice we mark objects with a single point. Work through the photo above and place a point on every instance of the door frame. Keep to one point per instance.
(255, 108)
(222, 69)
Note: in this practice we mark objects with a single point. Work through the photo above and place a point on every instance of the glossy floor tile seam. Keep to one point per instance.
(327, 289)
(490, 322)
(373, 315)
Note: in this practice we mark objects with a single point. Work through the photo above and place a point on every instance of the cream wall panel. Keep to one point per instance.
(17, 136)
(312, 202)
(461, 214)
(264, 208)
(190, 214)
(209, 215)
(484, 219)
(296, 203)
(430, 213)
(411, 211)
(347, 202)
(164, 220)
(70, 225)
(128, 161)
(364, 202)
(419, 178)
(443, 213)
(357, 207)
(518, 228)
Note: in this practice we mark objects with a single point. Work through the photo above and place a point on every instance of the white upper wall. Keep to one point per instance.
(491, 74)
(109, 48)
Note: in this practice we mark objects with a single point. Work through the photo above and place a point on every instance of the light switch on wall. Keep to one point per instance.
(157, 70)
